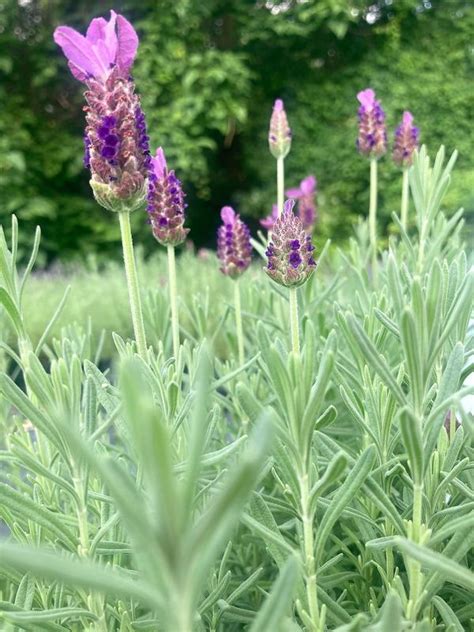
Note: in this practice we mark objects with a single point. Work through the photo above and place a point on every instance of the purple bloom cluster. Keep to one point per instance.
(116, 142)
(233, 244)
(279, 135)
(407, 138)
(305, 195)
(372, 139)
(165, 203)
(290, 252)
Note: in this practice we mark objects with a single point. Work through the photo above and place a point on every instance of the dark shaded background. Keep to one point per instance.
(208, 72)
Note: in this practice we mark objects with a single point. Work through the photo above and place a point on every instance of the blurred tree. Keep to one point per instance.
(208, 73)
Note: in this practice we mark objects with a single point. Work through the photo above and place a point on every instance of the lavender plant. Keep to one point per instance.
(116, 143)
(323, 482)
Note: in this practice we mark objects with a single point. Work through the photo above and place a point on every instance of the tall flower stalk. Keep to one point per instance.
(407, 140)
(290, 261)
(166, 207)
(372, 143)
(115, 140)
(279, 141)
(234, 251)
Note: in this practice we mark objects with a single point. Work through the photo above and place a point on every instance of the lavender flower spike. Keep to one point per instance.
(233, 244)
(279, 135)
(116, 141)
(305, 195)
(290, 252)
(407, 138)
(372, 140)
(166, 204)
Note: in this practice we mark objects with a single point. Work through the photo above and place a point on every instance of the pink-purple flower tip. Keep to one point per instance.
(106, 45)
(158, 163)
(366, 97)
(305, 195)
(278, 105)
(228, 215)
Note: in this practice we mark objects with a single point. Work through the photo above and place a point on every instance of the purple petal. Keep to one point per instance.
(407, 119)
(294, 193)
(127, 43)
(278, 107)
(158, 163)
(228, 215)
(366, 98)
(78, 51)
(288, 206)
(308, 185)
(96, 30)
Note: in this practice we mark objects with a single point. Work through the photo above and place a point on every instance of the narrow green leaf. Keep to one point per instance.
(447, 614)
(278, 602)
(410, 428)
(343, 497)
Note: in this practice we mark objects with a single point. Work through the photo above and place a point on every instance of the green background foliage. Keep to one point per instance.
(208, 73)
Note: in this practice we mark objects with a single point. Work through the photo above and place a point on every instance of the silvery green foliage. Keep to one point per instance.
(330, 490)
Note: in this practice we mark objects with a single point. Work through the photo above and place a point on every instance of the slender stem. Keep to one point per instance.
(308, 552)
(238, 322)
(173, 300)
(404, 209)
(416, 576)
(132, 282)
(295, 334)
(373, 214)
(280, 184)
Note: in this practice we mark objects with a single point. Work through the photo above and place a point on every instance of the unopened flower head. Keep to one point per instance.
(268, 221)
(233, 244)
(407, 138)
(372, 139)
(279, 135)
(305, 195)
(115, 140)
(290, 251)
(165, 203)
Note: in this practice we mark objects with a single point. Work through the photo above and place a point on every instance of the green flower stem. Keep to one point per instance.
(132, 282)
(404, 208)
(295, 334)
(280, 184)
(238, 322)
(373, 213)
(416, 576)
(173, 300)
(308, 553)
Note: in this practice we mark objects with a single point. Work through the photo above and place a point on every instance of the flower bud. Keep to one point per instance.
(406, 141)
(165, 203)
(279, 136)
(290, 251)
(372, 140)
(233, 244)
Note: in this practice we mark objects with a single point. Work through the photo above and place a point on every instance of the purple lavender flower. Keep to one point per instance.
(116, 141)
(279, 135)
(105, 47)
(290, 251)
(305, 195)
(407, 138)
(233, 244)
(269, 221)
(165, 203)
(372, 140)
